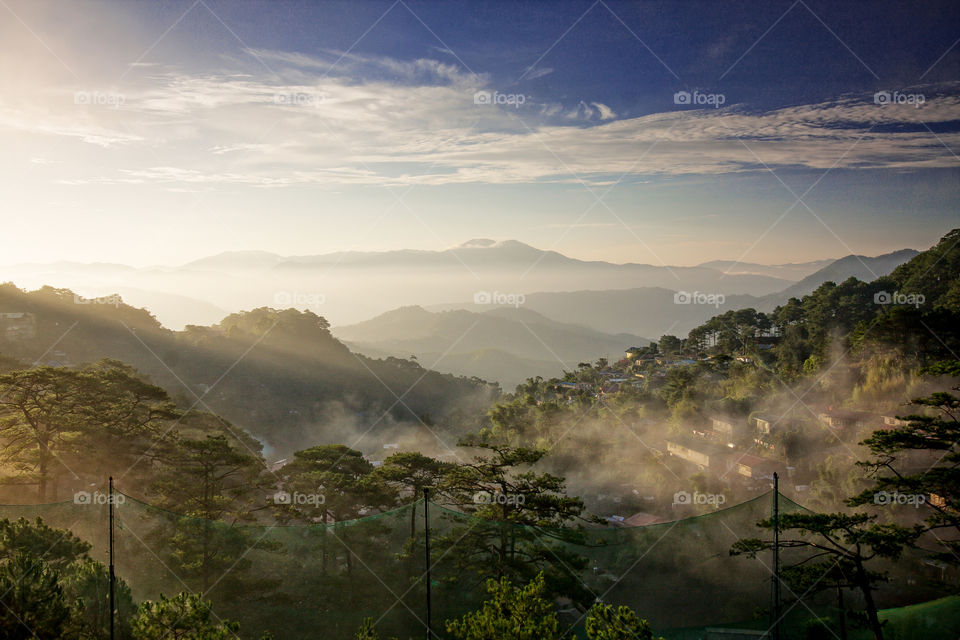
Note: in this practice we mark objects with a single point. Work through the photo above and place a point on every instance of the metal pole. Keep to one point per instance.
(776, 556)
(426, 523)
(113, 606)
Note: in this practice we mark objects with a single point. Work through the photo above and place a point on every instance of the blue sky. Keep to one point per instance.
(150, 133)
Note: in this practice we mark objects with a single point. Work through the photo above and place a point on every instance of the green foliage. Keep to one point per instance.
(58, 547)
(58, 577)
(182, 617)
(935, 433)
(511, 613)
(53, 415)
(606, 622)
(209, 481)
(34, 605)
(527, 514)
(87, 586)
(839, 543)
(367, 631)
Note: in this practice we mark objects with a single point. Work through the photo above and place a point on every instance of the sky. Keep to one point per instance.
(672, 133)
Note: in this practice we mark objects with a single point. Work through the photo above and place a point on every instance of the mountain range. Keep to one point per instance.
(559, 309)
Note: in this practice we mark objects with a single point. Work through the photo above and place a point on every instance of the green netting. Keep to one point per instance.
(322, 580)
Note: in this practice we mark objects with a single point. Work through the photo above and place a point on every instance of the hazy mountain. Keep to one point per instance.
(236, 261)
(860, 267)
(351, 286)
(510, 265)
(649, 311)
(654, 311)
(789, 271)
(503, 343)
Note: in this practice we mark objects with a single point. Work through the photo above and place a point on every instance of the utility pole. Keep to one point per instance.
(113, 605)
(426, 523)
(776, 556)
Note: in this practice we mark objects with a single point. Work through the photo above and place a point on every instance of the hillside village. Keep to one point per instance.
(739, 451)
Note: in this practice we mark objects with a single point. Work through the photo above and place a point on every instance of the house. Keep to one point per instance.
(843, 418)
(893, 421)
(704, 454)
(764, 423)
(632, 353)
(730, 427)
(573, 386)
(18, 325)
(756, 467)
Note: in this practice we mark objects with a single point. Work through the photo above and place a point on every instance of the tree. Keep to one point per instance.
(511, 613)
(412, 472)
(182, 617)
(57, 573)
(523, 513)
(87, 586)
(211, 484)
(367, 631)
(34, 605)
(837, 539)
(670, 345)
(938, 485)
(52, 418)
(604, 622)
(340, 482)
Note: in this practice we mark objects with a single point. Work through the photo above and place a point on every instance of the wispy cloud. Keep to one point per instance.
(345, 118)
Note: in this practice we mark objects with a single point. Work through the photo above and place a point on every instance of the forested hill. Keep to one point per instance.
(914, 310)
(279, 374)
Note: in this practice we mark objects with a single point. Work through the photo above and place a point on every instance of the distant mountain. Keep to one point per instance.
(789, 271)
(350, 286)
(236, 260)
(648, 311)
(513, 266)
(502, 343)
(654, 311)
(862, 268)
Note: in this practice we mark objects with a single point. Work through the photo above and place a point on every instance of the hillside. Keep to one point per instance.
(504, 343)
(278, 374)
(862, 268)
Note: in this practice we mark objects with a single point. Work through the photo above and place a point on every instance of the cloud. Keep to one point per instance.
(605, 112)
(346, 118)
